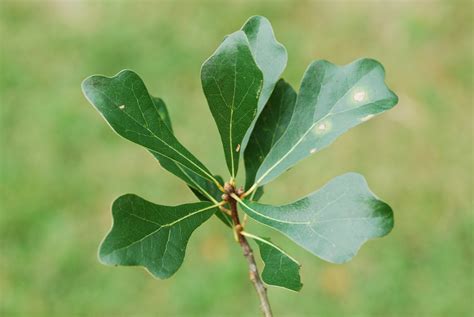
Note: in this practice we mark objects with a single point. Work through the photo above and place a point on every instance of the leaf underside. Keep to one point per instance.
(232, 83)
(151, 235)
(331, 223)
(332, 99)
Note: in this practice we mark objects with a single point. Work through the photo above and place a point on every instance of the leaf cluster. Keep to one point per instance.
(264, 121)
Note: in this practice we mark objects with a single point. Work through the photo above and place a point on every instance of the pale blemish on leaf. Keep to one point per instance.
(122, 107)
(345, 94)
(322, 127)
(359, 96)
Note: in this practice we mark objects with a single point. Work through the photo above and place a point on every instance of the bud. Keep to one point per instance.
(228, 188)
(239, 228)
(240, 191)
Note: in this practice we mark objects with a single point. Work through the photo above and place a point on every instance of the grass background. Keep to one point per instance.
(62, 166)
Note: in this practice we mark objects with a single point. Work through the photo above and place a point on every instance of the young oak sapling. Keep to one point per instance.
(260, 115)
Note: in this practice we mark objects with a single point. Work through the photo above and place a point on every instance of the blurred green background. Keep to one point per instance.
(62, 166)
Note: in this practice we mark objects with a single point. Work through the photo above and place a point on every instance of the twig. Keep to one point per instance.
(248, 253)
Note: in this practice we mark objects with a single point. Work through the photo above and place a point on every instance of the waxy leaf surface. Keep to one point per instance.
(280, 268)
(232, 82)
(270, 56)
(270, 126)
(331, 223)
(332, 99)
(151, 235)
(126, 105)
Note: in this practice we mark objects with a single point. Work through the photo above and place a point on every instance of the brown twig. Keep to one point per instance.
(248, 254)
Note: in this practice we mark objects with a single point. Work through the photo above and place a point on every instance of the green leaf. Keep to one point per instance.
(280, 268)
(331, 223)
(126, 105)
(151, 235)
(232, 82)
(332, 99)
(270, 126)
(270, 56)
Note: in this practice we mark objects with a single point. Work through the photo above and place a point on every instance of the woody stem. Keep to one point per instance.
(248, 254)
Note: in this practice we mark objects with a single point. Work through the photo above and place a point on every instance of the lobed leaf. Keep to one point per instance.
(280, 268)
(126, 105)
(271, 125)
(332, 99)
(271, 57)
(331, 223)
(150, 235)
(232, 82)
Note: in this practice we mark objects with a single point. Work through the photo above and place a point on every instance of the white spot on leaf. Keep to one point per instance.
(359, 96)
(322, 127)
(122, 107)
(312, 151)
